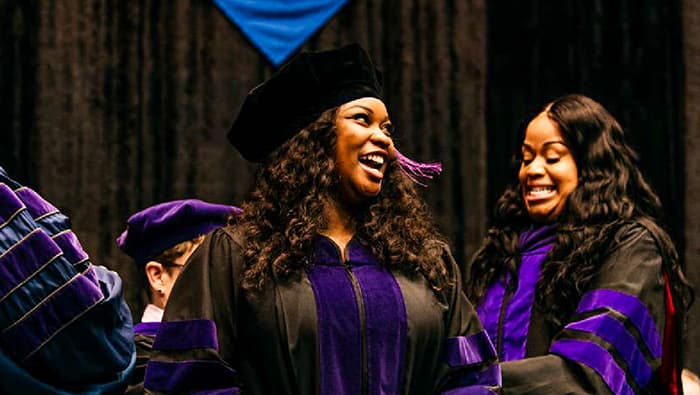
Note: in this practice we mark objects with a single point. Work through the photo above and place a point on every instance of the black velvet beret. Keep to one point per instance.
(298, 93)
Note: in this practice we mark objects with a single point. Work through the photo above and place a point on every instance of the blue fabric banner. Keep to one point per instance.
(279, 27)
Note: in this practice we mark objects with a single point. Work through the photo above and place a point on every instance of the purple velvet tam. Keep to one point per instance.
(153, 230)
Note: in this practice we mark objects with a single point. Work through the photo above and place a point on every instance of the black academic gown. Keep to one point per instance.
(144, 335)
(340, 328)
(64, 326)
(611, 345)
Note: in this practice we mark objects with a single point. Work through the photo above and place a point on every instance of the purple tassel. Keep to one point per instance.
(418, 171)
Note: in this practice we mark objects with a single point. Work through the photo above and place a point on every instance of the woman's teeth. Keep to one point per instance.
(372, 160)
(541, 190)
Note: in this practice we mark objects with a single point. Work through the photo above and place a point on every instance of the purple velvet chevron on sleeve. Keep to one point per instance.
(200, 333)
(471, 390)
(36, 205)
(189, 375)
(629, 306)
(615, 335)
(462, 351)
(474, 361)
(146, 328)
(48, 289)
(40, 291)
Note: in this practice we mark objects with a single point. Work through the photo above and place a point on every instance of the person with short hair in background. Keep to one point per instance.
(160, 240)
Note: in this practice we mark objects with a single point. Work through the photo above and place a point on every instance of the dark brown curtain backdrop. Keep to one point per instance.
(627, 56)
(691, 108)
(112, 106)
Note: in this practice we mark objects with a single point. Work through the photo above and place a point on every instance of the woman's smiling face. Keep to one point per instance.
(363, 148)
(548, 172)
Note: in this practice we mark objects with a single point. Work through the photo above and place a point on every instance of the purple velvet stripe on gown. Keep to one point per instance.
(17, 230)
(340, 346)
(49, 323)
(44, 213)
(615, 333)
(477, 390)
(183, 376)
(54, 313)
(489, 309)
(188, 375)
(35, 290)
(489, 377)
(201, 333)
(631, 307)
(36, 205)
(41, 293)
(385, 317)
(32, 291)
(596, 358)
(69, 244)
(339, 324)
(24, 259)
(10, 205)
(462, 351)
(54, 224)
(227, 391)
(146, 328)
(534, 244)
(466, 351)
(476, 383)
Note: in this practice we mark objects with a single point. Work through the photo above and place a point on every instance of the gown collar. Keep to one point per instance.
(326, 252)
(536, 237)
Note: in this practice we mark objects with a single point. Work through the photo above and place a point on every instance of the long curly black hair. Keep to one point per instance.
(285, 213)
(611, 193)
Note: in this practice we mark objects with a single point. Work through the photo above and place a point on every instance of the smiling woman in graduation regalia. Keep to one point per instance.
(333, 280)
(576, 282)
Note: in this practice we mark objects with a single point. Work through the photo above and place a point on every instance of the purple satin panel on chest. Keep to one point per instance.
(386, 327)
(340, 347)
(534, 244)
(349, 298)
(489, 309)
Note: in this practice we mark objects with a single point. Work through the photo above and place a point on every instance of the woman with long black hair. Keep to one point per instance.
(576, 282)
